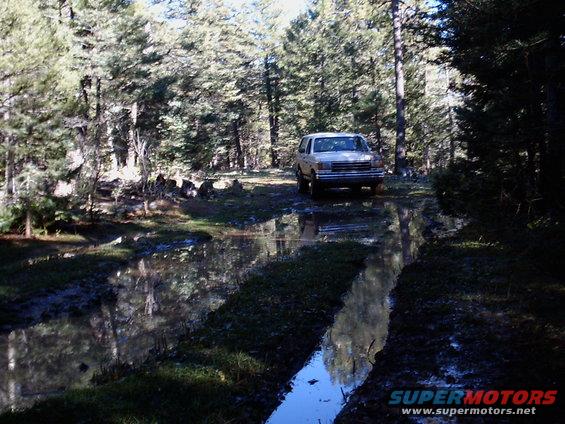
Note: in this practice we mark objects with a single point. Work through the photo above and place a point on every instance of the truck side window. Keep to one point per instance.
(302, 147)
(309, 145)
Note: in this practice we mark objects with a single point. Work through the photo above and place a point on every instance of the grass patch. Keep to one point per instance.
(233, 368)
(31, 267)
(15, 283)
(57, 267)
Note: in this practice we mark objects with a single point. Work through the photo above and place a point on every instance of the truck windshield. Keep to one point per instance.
(339, 144)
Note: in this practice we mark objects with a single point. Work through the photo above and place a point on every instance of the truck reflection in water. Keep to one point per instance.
(343, 359)
(158, 297)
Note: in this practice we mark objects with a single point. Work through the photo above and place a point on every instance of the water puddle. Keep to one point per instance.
(343, 359)
(158, 297)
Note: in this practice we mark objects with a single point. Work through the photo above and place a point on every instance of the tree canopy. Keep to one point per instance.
(98, 89)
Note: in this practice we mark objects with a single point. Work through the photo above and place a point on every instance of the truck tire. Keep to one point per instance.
(301, 182)
(377, 188)
(315, 188)
(356, 189)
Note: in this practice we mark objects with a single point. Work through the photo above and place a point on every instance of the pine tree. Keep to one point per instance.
(268, 34)
(34, 95)
(218, 82)
(512, 121)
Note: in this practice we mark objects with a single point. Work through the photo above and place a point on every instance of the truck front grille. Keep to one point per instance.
(351, 166)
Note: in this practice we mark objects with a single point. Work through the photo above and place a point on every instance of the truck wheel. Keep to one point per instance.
(377, 188)
(301, 182)
(315, 188)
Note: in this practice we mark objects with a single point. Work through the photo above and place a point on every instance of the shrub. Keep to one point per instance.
(45, 212)
(462, 190)
(7, 219)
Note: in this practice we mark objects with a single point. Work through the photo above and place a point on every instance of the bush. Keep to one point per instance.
(462, 190)
(45, 212)
(7, 219)
(453, 188)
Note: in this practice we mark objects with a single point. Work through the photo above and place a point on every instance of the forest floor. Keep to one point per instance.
(90, 251)
(235, 364)
(480, 310)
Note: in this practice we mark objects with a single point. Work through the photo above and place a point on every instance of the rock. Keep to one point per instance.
(206, 189)
(116, 241)
(236, 187)
(188, 189)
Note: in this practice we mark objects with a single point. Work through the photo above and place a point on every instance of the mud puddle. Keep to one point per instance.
(160, 296)
(343, 359)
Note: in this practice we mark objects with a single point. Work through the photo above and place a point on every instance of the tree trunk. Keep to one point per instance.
(9, 146)
(554, 160)
(427, 159)
(451, 135)
(83, 129)
(271, 106)
(132, 156)
(114, 163)
(94, 153)
(400, 150)
(237, 142)
(379, 146)
(28, 223)
(142, 152)
(9, 172)
(354, 95)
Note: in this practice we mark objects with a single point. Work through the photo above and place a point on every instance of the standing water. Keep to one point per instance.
(158, 297)
(343, 359)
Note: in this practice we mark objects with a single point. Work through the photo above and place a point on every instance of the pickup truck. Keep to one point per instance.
(337, 160)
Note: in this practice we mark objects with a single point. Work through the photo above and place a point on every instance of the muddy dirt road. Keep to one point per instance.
(157, 298)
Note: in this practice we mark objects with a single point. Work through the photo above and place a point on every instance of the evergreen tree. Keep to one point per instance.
(34, 95)
(97, 89)
(511, 56)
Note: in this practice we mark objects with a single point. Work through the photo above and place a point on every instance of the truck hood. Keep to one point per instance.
(343, 156)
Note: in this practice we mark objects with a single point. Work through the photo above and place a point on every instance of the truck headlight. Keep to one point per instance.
(323, 166)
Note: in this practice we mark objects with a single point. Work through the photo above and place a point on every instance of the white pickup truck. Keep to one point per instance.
(337, 160)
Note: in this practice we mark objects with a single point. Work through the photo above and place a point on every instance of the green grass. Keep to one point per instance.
(234, 367)
(38, 265)
(16, 283)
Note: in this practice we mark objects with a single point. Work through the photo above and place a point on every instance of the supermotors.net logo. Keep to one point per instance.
(470, 402)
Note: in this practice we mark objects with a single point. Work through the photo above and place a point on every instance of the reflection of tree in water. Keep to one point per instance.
(360, 328)
(155, 295)
(160, 293)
